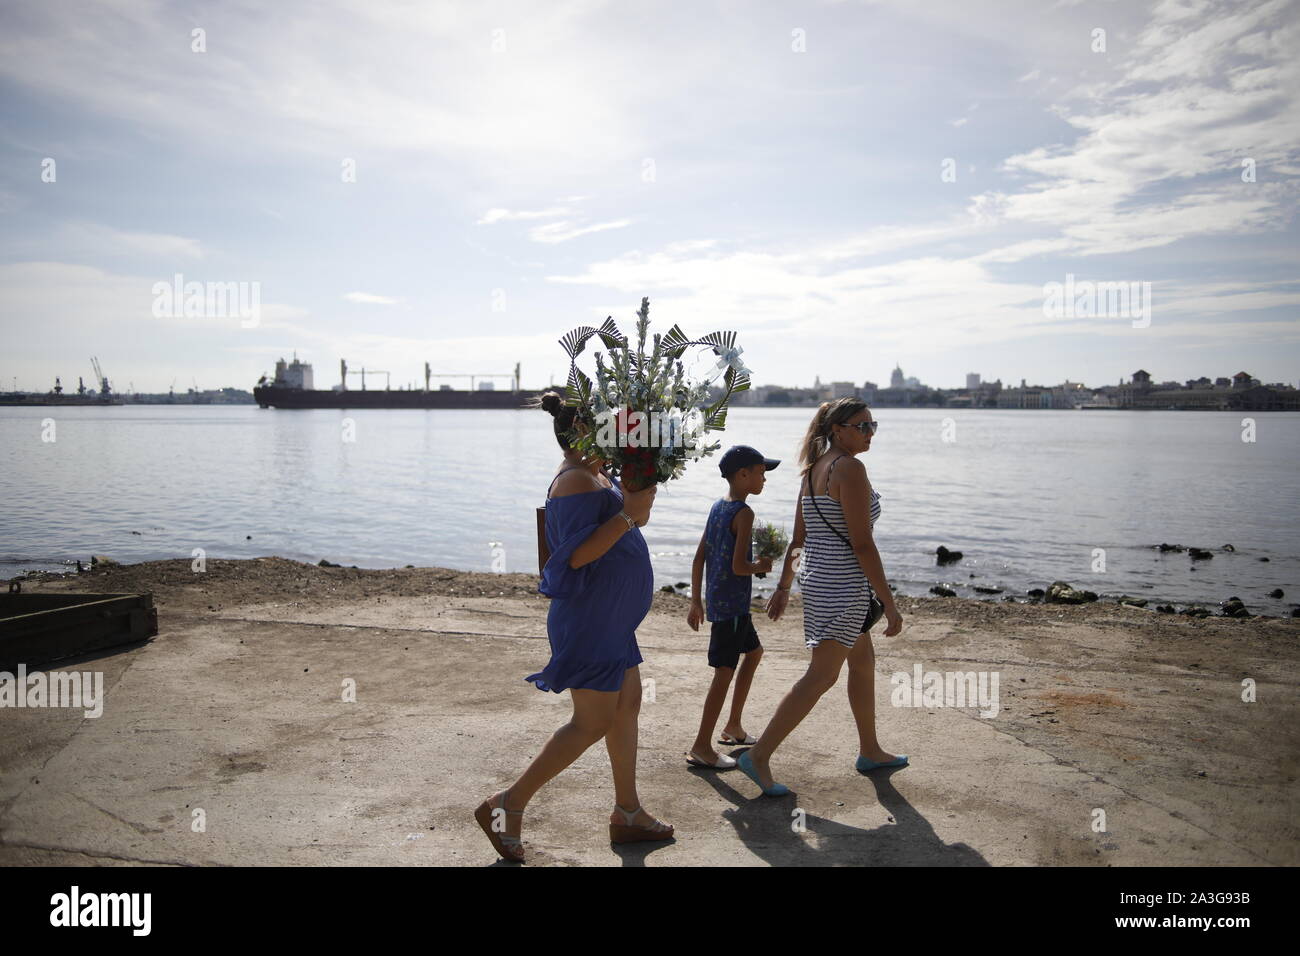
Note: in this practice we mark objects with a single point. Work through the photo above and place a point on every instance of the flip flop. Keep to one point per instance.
(724, 762)
(726, 738)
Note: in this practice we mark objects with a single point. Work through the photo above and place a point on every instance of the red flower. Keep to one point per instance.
(626, 428)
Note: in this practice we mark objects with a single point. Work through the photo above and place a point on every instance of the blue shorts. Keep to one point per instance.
(731, 638)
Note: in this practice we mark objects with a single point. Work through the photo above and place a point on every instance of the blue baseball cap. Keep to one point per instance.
(742, 456)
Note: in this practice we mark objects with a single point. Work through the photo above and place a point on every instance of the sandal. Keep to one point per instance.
(722, 763)
(628, 832)
(731, 741)
(509, 848)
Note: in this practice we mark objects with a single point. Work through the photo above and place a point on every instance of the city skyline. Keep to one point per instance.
(908, 382)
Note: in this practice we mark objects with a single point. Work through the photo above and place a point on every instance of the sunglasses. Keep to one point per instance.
(867, 428)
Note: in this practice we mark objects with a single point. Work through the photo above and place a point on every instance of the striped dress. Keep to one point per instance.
(836, 594)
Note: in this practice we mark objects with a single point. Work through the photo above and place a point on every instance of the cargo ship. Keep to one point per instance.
(292, 387)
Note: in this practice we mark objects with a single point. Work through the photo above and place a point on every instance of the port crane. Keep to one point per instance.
(104, 389)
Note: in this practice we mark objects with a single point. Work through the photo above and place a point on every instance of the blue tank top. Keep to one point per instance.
(726, 594)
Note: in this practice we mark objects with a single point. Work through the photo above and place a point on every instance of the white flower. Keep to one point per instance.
(731, 357)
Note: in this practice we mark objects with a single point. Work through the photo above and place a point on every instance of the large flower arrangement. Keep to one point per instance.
(643, 414)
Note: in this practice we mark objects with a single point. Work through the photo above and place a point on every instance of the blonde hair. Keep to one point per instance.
(818, 437)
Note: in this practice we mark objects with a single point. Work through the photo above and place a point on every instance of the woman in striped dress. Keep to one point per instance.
(839, 575)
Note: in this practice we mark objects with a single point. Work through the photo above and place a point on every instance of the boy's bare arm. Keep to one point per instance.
(697, 571)
(695, 616)
(743, 524)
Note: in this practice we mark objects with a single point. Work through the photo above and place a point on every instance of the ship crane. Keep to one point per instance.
(343, 367)
(482, 375)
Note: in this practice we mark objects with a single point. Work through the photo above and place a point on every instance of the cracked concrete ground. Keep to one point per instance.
(1108, 716)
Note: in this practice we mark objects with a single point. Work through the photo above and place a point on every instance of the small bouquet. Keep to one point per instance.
(769, 542)
(643, 415)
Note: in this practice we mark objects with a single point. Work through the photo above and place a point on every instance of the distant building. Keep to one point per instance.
(896, 377)
(843, 390)
(487, 386)
(972, 381)
(1242, 393)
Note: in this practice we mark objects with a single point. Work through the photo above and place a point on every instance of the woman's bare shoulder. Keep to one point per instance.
(850, 467)
(575, 481)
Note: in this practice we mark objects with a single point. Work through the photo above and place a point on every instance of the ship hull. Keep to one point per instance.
(271, 396)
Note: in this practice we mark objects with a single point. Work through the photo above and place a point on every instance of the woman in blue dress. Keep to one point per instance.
(600, 583)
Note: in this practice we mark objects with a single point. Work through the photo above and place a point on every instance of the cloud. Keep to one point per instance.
(505, 215)
(1160, 150)
(564, 231)
(100, 240)
(366, 298)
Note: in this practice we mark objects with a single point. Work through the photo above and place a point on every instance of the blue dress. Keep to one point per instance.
(595, 609)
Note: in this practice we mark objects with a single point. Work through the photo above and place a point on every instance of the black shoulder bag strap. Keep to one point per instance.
(876, 608)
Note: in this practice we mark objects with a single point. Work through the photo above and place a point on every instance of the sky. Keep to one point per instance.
(847, 185)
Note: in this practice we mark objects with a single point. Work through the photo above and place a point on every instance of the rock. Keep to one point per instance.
(135, 532)
(1036, 593)
(681, 584)
(1199, 554)
(1263, 559)
(1195, 611)
(322, 563)
(1277, 593)
(1233, 607)
(1295, 612)
(943, 591)
(1165, 608)
(1228, 547)
(1060, 592)
(668, 589)
(1132, 601)
(98, 560)
(983, 590)
(1009, 600)
(945, 556)
(1171, 547)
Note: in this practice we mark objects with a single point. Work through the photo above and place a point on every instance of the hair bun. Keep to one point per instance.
(552, 402)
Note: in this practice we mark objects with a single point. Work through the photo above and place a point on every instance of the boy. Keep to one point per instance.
(729, 568)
